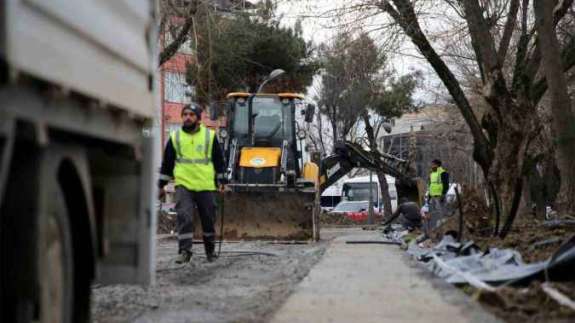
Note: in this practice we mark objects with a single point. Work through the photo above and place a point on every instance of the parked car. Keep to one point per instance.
(357, 211)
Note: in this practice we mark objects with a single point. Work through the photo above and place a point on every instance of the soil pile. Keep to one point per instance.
(531, 304)
(536, 240)
(342, 219)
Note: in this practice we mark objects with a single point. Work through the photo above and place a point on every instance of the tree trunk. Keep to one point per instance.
(383, 186)
(333, 121)
(507, 171)
(385, 197)
(561, 108)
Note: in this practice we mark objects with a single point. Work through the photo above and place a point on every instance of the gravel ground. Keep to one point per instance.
(246, 288)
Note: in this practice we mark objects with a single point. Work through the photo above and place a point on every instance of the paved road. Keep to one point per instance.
(374, 283)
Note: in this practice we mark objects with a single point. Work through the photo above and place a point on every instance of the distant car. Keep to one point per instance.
(357, 211)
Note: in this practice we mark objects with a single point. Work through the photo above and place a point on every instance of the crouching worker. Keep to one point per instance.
(407, 214)
(193, 158)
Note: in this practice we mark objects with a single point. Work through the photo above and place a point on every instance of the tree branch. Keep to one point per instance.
(481, 38)
(567, 61)
(508, 31)
(561, 11)
(519, 72)
(406, 18)
(532, 64)
(181, 38)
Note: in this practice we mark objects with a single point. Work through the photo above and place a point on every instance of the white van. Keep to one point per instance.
(357, 189)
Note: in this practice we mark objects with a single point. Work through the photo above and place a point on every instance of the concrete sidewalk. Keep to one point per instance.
(374, 283)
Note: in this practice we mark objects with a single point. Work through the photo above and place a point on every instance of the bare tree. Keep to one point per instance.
(502, 137)
(334, 92)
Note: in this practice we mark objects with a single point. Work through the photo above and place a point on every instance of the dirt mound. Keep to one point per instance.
(529, 304)
(476, 220)
(535, 240)
(341, 219)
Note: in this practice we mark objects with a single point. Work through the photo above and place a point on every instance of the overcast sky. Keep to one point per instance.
(319, 26)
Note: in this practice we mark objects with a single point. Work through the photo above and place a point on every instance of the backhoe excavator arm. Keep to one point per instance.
(349, 155)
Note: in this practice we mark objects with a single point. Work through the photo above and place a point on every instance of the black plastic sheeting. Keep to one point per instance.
(462, 263)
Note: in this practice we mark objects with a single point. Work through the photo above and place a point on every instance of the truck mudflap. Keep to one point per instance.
(264, 215)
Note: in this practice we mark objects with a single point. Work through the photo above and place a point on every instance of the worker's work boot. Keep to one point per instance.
(210, 247)
(184, 257)
(211, 257)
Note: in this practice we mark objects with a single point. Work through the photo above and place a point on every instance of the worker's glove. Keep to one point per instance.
(442, 199)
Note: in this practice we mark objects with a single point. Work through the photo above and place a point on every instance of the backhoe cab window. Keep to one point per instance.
(241, 123)
(272, 120)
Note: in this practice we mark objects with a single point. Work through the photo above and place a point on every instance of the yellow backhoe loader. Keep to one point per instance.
(271, 193)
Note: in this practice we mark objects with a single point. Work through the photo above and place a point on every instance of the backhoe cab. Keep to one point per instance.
(262, 146)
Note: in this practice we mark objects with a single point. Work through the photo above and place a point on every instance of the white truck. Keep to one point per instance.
(76, 169)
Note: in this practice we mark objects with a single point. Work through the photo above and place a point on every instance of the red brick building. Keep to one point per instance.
(175, 92)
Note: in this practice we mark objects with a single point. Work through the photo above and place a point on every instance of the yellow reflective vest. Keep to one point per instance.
(435, 184)
(194, 168)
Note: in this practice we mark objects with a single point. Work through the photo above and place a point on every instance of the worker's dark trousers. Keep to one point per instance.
(186, 203)
(436, 213)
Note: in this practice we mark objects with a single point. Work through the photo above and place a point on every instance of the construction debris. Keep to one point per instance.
(558, 296)
(492, 266)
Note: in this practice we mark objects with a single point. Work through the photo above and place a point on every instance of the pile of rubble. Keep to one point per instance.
(528, 275)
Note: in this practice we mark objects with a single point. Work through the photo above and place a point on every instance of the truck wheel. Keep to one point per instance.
(55, 259)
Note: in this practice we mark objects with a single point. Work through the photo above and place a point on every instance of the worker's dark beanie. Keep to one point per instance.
(194, 108)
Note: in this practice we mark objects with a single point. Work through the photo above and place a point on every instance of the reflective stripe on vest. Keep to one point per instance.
(435, 183)
(194, 169)
(181, 159)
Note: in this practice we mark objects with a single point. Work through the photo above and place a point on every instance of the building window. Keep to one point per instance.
(176, 89)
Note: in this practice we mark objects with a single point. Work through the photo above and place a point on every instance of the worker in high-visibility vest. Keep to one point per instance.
(194, 159)
(438, 186)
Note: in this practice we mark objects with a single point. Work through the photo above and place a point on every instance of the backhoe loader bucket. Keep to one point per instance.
(266, 215)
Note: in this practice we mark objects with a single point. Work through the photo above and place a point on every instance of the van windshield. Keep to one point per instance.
(359, 191)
